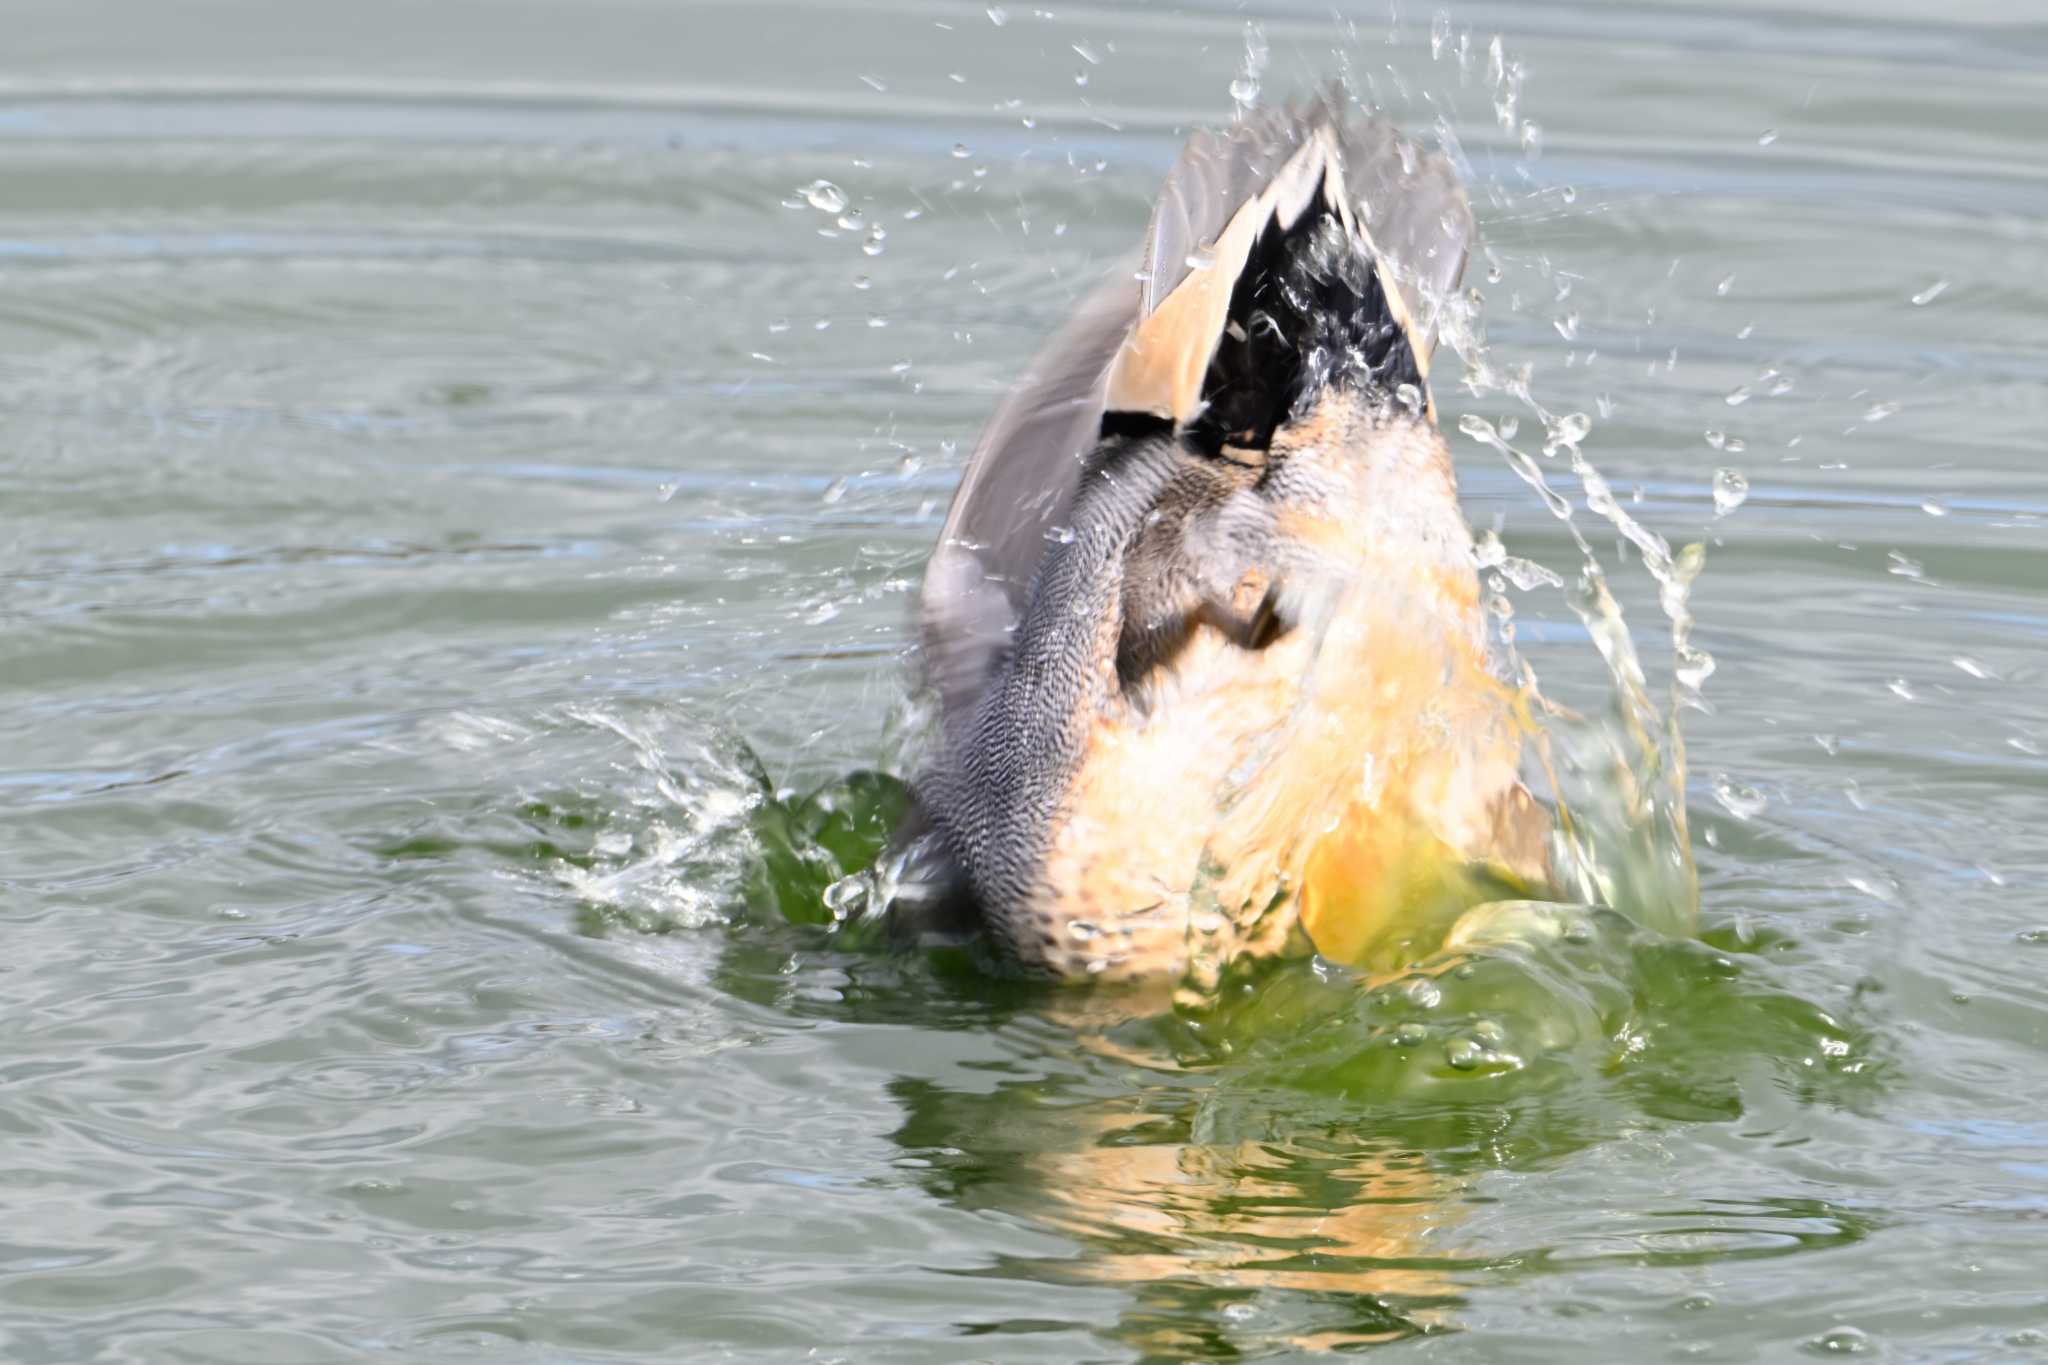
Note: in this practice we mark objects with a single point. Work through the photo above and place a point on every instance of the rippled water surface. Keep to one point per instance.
(461, 500)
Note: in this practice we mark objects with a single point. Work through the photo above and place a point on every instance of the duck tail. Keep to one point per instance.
(1296, 253)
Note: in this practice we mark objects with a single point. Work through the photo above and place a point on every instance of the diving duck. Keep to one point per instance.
(1204, 623)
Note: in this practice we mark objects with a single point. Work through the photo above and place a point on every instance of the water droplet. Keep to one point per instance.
(1737, 396)
(877, 320)
(779, 325)
(1411, 1034)
(1974, 667)
(1422, 992)
(1060, 535)
(863, 282)
(1567, 326)
(850, 220)
(1727, 283)
(1487, 551)
(1904, 567)
(1439, 33)
(1930, 293)
(1245, 89)
(824, 196)
(1877, 412)
(1934, 507)
(1767, 137)
(1693, 666)
(845, 896)
(1902, 689)
(1731, 487)
(1569, 194)
(1464, 1054)
(1840, 1341)
(836, 489)
(1080, 78)
(960, 152)
(2033, 937)
(998, 16)
(1532, 137)
(1201, 258)
(1742, 802)
(1527, 574)
(1087, 54)
(1566, 431)
(877, 235)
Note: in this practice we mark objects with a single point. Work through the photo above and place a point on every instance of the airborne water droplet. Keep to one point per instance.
(877, 235)
(824, 196)
(1744, 803)
(1567, 431)
(998, 16)
(1930, 293)
(1731, 487)
(1727, 283)
(1526, 574)
(1769, 136)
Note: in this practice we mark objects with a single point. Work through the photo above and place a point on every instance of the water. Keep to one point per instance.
(446, 488)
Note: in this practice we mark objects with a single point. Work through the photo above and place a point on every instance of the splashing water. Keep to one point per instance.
(1244, 90)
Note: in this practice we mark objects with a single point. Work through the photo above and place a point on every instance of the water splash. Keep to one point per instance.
(1731, 489)
(1244, 90)
(1620, 789)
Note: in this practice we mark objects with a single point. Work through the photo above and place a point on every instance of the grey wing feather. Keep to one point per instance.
(1415, 207)
(1019, 485)
(1214, 175)
(1416, 211)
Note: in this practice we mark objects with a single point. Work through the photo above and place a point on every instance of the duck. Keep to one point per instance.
(1204, 627)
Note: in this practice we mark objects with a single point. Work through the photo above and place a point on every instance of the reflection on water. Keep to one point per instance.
(1309, 1167)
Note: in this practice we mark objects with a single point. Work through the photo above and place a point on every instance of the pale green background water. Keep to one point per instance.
(429, 447)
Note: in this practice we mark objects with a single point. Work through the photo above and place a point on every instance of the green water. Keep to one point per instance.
(454, 515)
